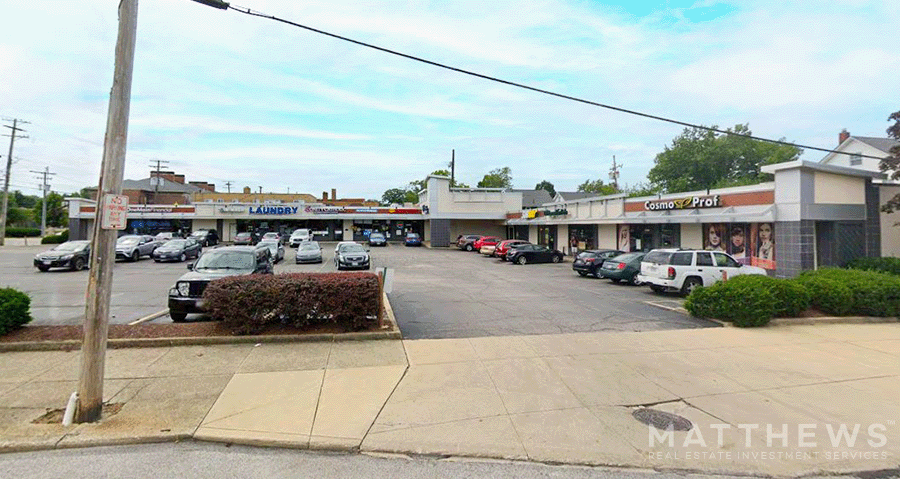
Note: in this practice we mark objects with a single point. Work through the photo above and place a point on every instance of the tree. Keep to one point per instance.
(700, 159)
(546, 185)
(17, 217)
(497, 178)
(597, 186)
(399, 196)
(56, 212)
(891, 163)
(22, 200)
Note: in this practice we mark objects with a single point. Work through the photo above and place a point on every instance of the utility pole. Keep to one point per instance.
(12, 139)
(228, 185)
(157, 180)
(614, 173)
(45, 188)
(452, 167)
(103, 243)
(260, 190)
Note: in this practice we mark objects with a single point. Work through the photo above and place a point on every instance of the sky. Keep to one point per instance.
(225, 97)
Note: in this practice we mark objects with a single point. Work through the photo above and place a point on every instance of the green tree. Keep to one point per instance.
(699, 159)
(597, 186)
(22, 200)
(399, 196)
(56, 212)
(546, 185)
(641, 189)
(17, 217)
(497, 178)
(891, 163)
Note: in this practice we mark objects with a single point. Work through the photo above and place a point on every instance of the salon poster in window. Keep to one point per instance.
(714, 236)
(738, 239)
(624, 235)
(762, 245)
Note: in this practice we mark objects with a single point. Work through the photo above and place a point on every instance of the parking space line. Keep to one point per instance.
(149, 317)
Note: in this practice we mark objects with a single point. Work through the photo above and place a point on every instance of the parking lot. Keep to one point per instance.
(437, 293)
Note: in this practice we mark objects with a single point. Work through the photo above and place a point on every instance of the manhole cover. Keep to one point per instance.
(662, 420)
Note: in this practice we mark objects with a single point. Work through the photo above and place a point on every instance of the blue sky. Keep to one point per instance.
(226, 97)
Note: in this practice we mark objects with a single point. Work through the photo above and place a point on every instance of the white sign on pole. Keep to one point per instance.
(114, 212)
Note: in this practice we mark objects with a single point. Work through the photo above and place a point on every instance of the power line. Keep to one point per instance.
(254, 13)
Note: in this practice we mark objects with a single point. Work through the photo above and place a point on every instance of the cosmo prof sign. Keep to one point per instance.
(688, 202)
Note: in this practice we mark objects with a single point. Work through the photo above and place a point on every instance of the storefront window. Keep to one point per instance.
(752, 243)
(582, 237)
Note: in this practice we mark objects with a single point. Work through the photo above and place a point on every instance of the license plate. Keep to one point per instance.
(200, 303)
(652, 269)
(47, 261)
(354, 263)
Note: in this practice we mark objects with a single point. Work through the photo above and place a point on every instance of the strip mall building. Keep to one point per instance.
(813, 214)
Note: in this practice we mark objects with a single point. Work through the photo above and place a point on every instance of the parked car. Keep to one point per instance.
(186, 296)
(246, 239)
(309, 252)
(412, 239)
(177, 250)
(503, 247)
(164, 236)
(299, 236)
(532, 253)
(352, 255)
(467, 242)
(338, 246)
(274, 235)
(206, 237)
(132, 247)
(276, 249)
(75, 255)
(377, 239)
(685, 270)
(588, 262)
(624, 267)
(485, 240)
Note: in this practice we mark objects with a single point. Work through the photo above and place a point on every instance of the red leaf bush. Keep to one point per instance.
(247, 304)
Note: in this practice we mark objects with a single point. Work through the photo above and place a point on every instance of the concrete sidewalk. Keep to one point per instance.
(554, 398)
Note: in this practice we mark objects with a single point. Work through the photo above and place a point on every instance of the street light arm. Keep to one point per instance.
(215, 4)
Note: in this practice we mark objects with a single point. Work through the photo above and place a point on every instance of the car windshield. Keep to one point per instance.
(128, 239)
(376, 236)
(587, 255)
(352, 248)
(309, 246)
(69, 246)
(658, 257)
(628, 257)
(269, 242)
(175, 243)
(226, 260)
(243, 235)
(270, 235)
(198, 233)
(412, 235)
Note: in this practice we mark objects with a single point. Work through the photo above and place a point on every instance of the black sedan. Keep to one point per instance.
(624, 267)
(588, 262)
(177, 250)
(532, 253)
(74, 255)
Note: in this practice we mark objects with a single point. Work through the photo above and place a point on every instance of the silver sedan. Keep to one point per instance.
(309, 252)
(276, 249)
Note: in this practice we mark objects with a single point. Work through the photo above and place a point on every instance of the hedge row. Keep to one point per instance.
(755, 300)
(247, 304)
(56, 239)
(22, 232)
(14, 310)
(885, 265)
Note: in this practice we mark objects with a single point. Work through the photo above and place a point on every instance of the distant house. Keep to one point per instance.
(563, 196)
(165, 189)
(858, 147)
(534, 198)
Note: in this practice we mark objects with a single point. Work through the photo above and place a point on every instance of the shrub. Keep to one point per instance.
(22, 232)
(885, 265)
(14, 310)
(745, 300)
(853, 292)
(791, 297)
(56, 239)
(247, 304)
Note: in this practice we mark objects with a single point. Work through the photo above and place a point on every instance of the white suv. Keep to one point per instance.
(685, 270)
(299, 236)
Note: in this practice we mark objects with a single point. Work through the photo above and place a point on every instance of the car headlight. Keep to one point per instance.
(66, 257)
(184, 288)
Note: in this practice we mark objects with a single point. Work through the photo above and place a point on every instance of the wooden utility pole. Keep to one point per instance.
(12, 140)
(453, 167)
(103, 243)
(45, 188)
(614, 173)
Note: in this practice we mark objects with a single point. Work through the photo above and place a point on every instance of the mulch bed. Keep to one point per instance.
(156, 331)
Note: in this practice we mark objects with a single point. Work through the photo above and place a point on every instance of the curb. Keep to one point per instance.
(833, 320)
(391, 332)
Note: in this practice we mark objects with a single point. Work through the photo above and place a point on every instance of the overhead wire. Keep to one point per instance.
(254, 13)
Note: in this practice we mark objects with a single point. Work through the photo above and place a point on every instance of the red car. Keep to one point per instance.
(504, 246)
(485, 241)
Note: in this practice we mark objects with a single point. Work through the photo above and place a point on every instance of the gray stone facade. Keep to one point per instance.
(440, 232)
(795, 243)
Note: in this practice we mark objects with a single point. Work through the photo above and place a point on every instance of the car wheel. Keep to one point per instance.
(634, 281)
(598, 275)
(78, 264)
(556, 259)
(690, 285)
(177, 317)
(469, 247)
(135, 255)
(43, 269)
(182, 258)
(521, 260)
(582, 274)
